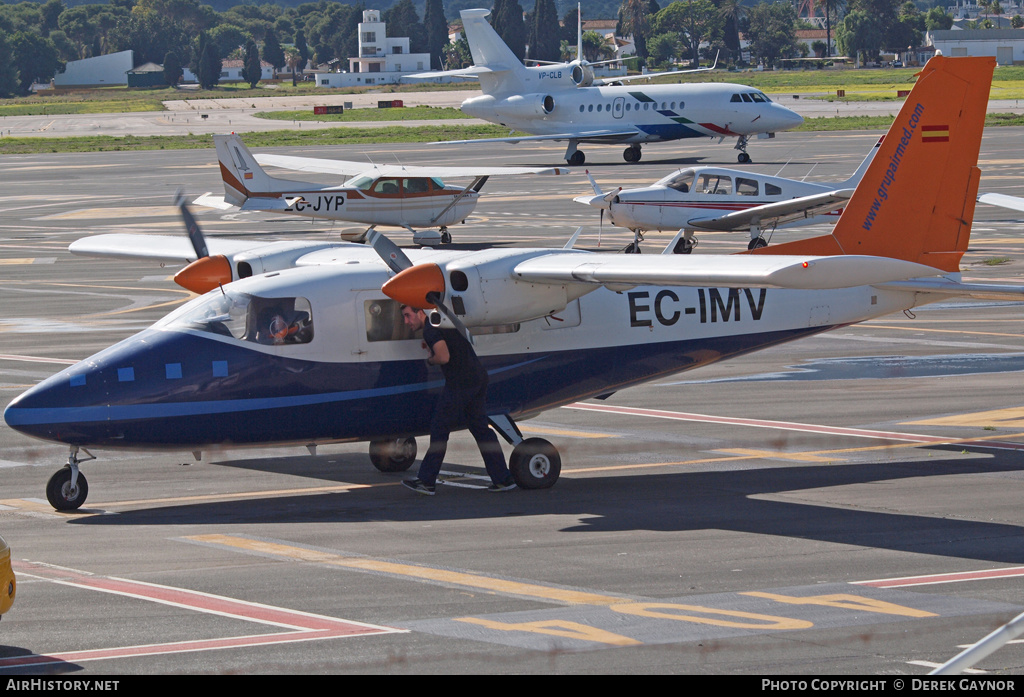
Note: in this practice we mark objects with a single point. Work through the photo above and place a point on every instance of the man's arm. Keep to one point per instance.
(439, 353)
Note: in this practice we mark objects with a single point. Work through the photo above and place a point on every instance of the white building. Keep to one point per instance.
(1005, 45)
(111, 69)
(381, 60)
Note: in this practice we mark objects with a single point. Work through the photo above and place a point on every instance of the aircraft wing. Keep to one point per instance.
(734, 271)
(1003, 201)
(580, 136)
(168, 248)
(775, 213)
(351, 169)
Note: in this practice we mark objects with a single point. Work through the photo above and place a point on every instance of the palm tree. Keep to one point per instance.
(830, 7)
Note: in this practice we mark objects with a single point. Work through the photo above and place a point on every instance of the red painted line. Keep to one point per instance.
(1011, 572)
(35, 359)
(305, 626)
(761, 423)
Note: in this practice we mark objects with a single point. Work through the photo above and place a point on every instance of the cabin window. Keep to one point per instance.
(772, 190)
(384, 321)
(714, 184)
(599, 107)
(590, 107)
(682, 181)
(416, 185)
(746, 187)
(628, 106)
(663, 106)
(386, 186)
(582, 108)
(269, 321)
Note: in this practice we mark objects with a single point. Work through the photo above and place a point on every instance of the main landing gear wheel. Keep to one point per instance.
(446, 237)
(61, 495)
(577, 158)
(631, 154)
(757, 243)
(393, 455)
(535, 464)
(743, 158)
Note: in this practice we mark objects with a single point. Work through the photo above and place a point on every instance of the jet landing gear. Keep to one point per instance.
(574, 157)
(741, 144)
(632, 153)
(395, 455)
(67, 488)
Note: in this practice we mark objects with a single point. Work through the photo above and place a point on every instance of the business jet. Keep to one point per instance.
(719, 199)
(302, 342)
(404, 196)
(565, 102)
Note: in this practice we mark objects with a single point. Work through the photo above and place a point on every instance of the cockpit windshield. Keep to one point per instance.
(681, 181)
(269, 321)
(361, 182)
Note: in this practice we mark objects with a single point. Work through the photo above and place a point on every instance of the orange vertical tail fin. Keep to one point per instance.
(916, 200)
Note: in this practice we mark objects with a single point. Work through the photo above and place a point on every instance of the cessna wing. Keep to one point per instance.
(775, 213)
(351, 169)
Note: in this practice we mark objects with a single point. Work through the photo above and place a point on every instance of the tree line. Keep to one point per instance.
(38, 38)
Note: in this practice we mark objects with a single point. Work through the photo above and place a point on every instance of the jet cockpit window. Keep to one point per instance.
(270, 321)
(747, 97)
(681, 181)
(758, 97)
(736, 98)
(714, 184)
(746, 187)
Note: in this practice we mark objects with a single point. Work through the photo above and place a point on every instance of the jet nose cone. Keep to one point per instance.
(788, 117)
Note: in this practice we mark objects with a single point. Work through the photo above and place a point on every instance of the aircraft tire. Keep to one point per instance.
(60, 494)
(535, 464)
(631, 154)
(577, 159)
(756, 243)
(743, 158)
(396, 455)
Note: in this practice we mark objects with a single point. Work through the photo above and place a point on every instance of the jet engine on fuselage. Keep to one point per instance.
(520, 105)
(581, 73)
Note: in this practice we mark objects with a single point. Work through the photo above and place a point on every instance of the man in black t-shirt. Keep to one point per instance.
(461, 403)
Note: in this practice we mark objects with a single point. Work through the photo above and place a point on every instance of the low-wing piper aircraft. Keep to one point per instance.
(404, 196)
(719, 199)
(302, 343)
(565, 102)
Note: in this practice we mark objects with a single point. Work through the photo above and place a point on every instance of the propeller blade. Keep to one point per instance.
(388, 251)
(435, 298)
(195, 235)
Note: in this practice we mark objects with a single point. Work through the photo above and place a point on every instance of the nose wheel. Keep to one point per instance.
(67, 488)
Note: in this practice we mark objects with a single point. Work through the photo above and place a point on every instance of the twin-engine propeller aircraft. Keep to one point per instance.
(565, 102)
(719, 199)
(310, 348)
(397, 195)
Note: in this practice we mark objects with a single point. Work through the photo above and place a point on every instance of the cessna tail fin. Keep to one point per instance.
(916, 200)
(244, 178)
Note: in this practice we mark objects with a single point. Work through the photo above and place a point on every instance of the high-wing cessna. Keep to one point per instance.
(302, 343)
(397, 195)
(565, 102)
(719, 199)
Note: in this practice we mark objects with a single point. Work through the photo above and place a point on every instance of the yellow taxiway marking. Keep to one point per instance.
(27, 505)
(426, 573)
(776, 454)
(274, 493)
(566, 433)
(11, 262)
(1007, 418)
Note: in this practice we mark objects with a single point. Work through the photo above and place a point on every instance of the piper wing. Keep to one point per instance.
(608, 134)
(775, 213)
(156, 247)
(351, 169)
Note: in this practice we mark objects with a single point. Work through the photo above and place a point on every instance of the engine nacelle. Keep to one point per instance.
(484, 293)
(581, 73)
(527, 105)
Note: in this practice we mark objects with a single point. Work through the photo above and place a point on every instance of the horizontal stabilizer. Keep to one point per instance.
(209, 200)
(470, 72)
(265, 204)
(1003, 201)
